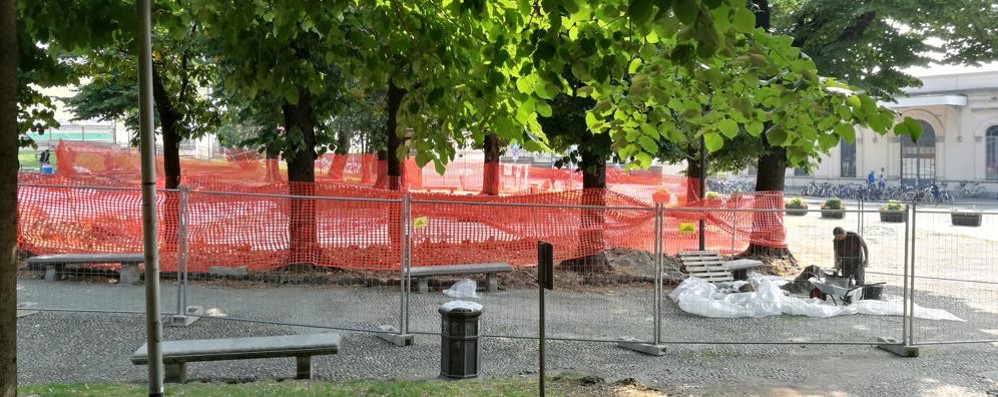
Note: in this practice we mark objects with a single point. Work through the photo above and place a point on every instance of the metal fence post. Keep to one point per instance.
(657, 316)
(400, 336)
(907, 292)
(654, 348)
(181, 251)
(911, 284)
(186, 315)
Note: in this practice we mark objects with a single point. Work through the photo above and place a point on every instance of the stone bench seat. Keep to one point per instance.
(176, 354)
(423, 273)
(55, 264)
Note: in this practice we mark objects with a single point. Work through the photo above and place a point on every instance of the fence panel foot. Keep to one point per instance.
(192, 314)
(894, 346)
(392, 335)
(641, 347)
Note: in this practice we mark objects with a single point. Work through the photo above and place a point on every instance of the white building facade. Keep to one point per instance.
(959, 143)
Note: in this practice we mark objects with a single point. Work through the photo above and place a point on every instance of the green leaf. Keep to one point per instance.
(776, 136)
(686, 10)
(644, 159)
(744, 20)
(713, 141)
(728, 127)
(914, 129)
(754, 128)
(634, 65)
(640, 11)
(846, 132)
(543, 109)
(648, 144)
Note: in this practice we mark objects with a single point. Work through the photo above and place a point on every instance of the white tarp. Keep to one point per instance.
(697, 296)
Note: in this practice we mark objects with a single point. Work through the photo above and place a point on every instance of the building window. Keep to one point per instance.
(992, 150)
(800, 171)
(848, 163)
(918, 160)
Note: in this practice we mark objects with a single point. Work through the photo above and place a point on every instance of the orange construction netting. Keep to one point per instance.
(234, 216)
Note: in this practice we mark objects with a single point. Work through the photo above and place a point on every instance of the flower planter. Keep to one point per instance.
(796, 211)
(833, 214)
(893, 216)
(966, 219)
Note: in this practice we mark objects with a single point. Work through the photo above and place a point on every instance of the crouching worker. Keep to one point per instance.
(851, 255)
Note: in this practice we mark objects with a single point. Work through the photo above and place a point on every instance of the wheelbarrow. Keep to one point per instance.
(842, 287)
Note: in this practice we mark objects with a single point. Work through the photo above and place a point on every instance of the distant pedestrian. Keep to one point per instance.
(43, 157)
(881, 182)
(870, 179)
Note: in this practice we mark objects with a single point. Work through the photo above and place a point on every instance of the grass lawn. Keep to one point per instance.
(568, 386)
(28, 160)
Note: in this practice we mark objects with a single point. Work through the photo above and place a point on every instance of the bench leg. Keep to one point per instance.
(423, 284)
(492, 282)
(304, 364)
(176, 372)
(52, 272)
(129, 274)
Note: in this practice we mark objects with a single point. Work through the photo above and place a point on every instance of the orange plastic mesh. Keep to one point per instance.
(231, 221)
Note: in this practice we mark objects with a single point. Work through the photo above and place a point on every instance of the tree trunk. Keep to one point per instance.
(340, 155)
(381, 170)
(170, 125)
(8, 199)
(302, 231)
(768, 237)
(591, 256)
(693, 174)
(169, 121)
(490, 176)
(395, 95)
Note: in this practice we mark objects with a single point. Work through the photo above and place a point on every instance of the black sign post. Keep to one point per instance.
(545, 279)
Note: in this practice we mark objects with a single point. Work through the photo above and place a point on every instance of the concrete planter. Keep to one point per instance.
(966, 219)
(796, 211)
(833, 214)
(893, 216)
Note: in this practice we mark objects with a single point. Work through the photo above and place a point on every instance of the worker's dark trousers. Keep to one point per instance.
(854, 268)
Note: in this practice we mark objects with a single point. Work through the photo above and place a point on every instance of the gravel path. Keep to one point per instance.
(88, 347)
(76, 347)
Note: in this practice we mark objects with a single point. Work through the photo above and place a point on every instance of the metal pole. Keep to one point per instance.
(911, 301)
(180, 251)
(703, 190)
(154, 328)
(541, 336)
(184, 202)
(402, 269)
(657, 316)
(905, 292)
(408, 257)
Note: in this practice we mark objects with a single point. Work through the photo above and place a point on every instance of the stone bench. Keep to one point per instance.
(55, 264)
(176, 354)
(423, 273)
(739, 267)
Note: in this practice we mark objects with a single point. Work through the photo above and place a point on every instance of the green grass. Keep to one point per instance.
(480, 387)
(28, 160)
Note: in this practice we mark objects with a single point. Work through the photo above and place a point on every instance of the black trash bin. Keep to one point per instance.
(460, 352)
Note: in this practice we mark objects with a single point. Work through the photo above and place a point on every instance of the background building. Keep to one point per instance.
(959, 143)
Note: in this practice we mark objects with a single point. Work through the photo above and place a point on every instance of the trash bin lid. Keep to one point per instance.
(460, 307)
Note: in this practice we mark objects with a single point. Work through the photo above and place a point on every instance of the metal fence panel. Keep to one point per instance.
(955, 270)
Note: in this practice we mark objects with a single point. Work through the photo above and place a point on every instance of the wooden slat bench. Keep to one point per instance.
(709, 266)
(176, 354)
(422, 273)
(55, 264)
